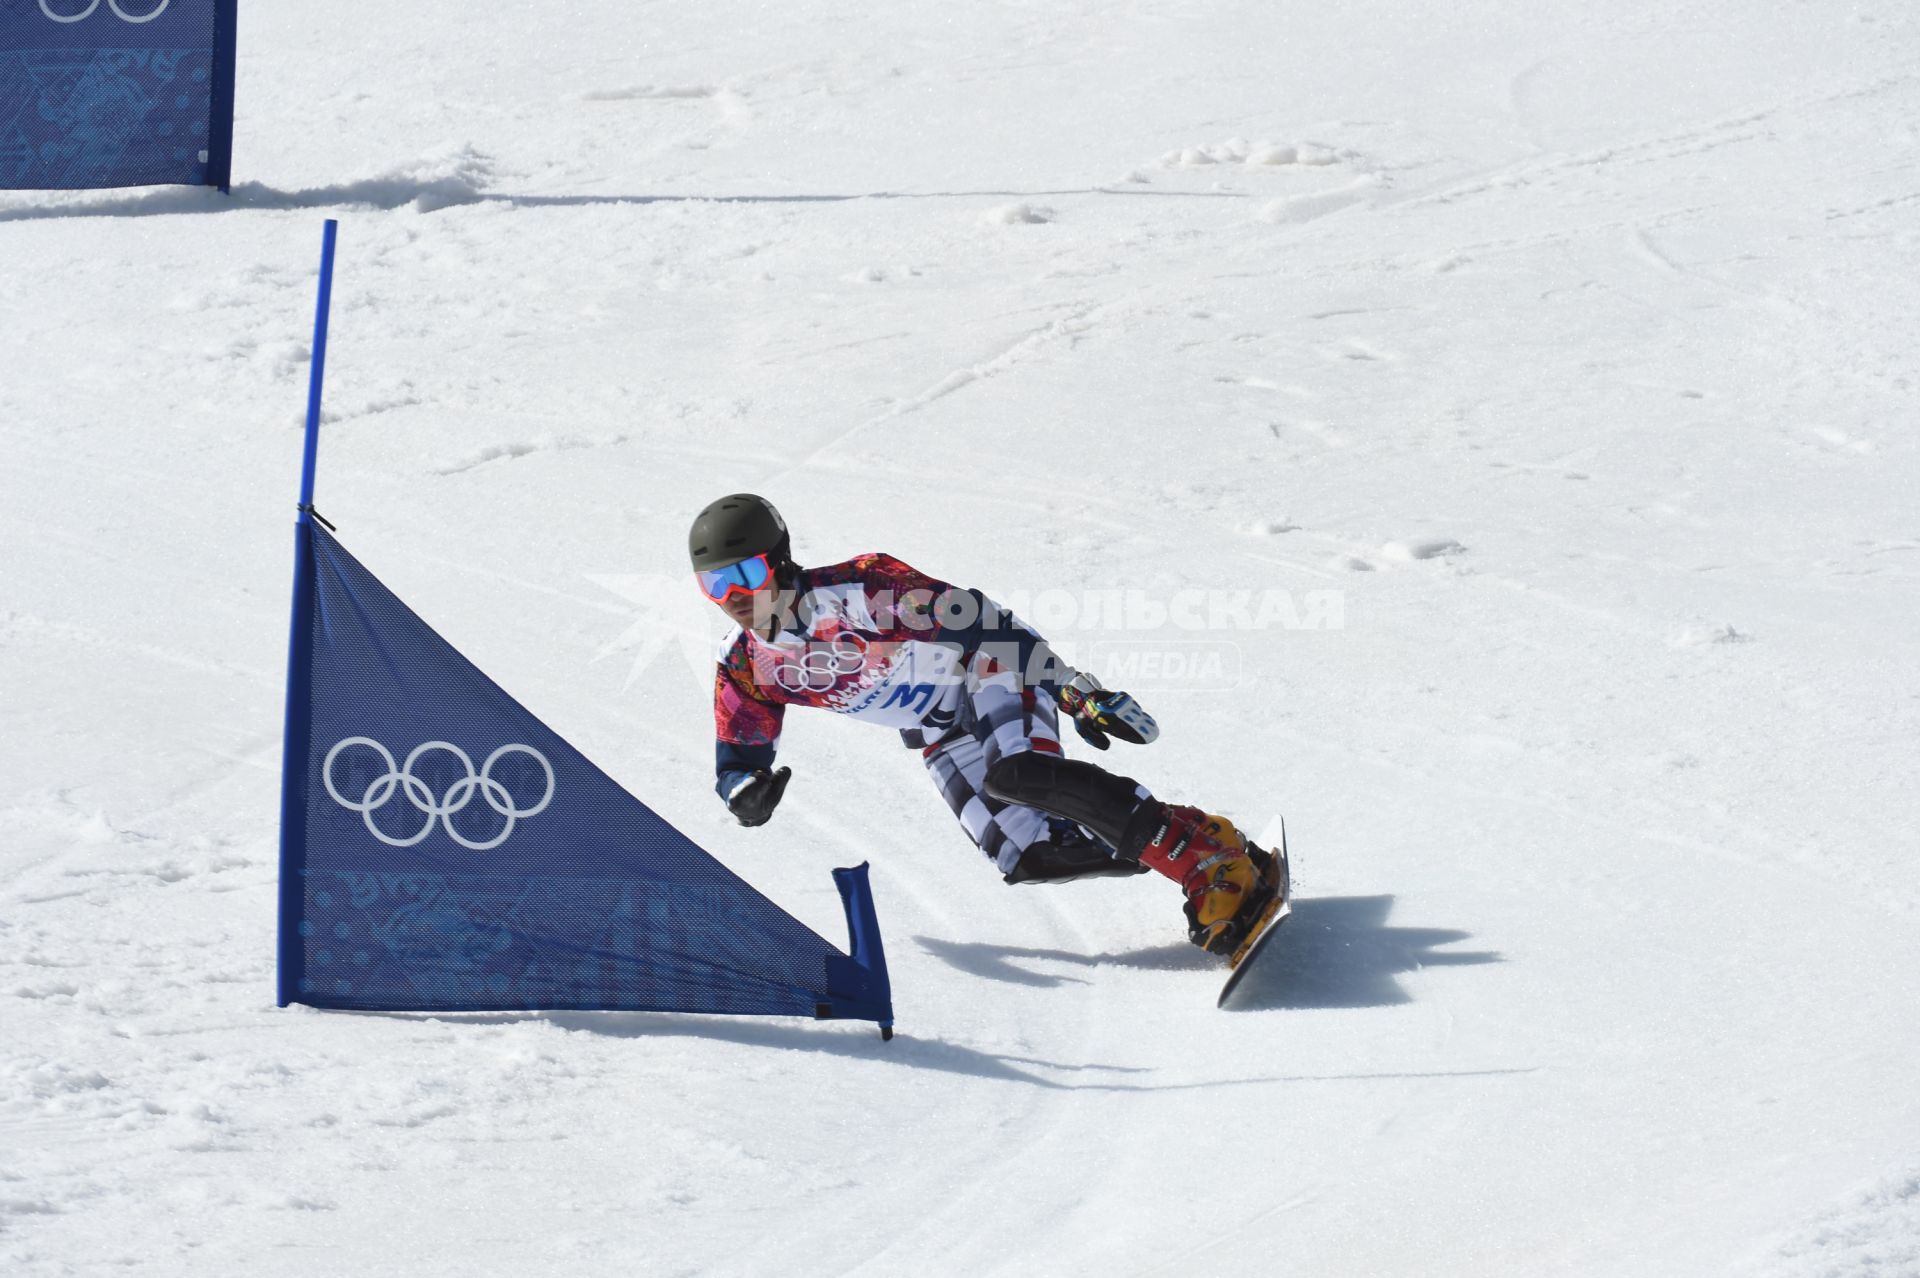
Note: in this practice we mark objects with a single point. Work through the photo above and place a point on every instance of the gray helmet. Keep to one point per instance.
(738, 526)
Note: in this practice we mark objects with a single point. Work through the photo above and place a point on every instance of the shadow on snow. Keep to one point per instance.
(1340, 952)
(905, 1051)
(433, 194)
(1335, 952)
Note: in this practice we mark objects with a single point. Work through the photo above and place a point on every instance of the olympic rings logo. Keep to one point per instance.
(822, 666)
(114, 5)
(401, 780)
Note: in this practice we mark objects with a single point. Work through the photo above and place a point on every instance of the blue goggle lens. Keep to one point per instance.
(748, 575)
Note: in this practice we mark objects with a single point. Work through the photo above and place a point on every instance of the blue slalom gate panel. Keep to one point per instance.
(444, 850)
(100, 93)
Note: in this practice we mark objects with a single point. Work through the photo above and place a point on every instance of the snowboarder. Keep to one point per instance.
(977, 692)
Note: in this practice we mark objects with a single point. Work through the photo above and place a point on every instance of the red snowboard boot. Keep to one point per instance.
(1228, 881)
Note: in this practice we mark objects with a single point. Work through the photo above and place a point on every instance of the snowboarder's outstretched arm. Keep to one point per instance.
(746, 737)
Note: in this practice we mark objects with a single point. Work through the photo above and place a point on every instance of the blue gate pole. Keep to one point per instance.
(293, 773)
(317, 376)
(226, 44)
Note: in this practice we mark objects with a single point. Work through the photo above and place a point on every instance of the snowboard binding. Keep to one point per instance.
(1252, 912)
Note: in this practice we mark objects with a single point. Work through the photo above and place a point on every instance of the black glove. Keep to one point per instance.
(754, 800)
(1100, 712)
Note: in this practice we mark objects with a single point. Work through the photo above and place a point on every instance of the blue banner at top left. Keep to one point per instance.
(116, 93)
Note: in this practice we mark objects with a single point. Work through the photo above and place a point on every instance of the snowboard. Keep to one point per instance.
(1276, 913)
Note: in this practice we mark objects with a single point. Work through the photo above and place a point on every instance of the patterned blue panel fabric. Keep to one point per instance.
(447, 851)
(98, 93)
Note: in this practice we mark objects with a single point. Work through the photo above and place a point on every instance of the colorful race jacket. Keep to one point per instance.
(871, 638)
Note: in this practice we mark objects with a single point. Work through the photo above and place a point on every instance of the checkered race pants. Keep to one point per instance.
(993, 717)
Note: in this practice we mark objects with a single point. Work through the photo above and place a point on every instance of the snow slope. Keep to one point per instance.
(1570, 344)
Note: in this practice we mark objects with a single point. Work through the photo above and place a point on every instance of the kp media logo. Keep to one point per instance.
(124, 13)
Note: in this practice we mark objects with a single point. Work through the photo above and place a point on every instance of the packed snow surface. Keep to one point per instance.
(1556, 361)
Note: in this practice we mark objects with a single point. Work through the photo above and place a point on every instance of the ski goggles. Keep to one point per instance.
(748, 577)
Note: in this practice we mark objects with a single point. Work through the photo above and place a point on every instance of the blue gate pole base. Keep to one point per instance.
(868, 994)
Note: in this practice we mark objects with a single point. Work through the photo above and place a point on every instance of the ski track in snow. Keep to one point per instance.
(1567, 351)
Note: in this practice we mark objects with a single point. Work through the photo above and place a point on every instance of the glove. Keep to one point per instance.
(754, 799)
(1099, 713)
